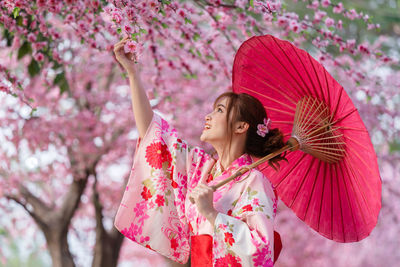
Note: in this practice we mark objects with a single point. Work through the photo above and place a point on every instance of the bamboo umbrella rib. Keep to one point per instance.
(353, 129)
(282, 65)
(364, 198)
(303, 107)
(302, 182)
(291, 63)
(322, 148)
(313, 188)
(349, 202)
(345, 116)
(358, 143)
(305, 69)
(304, 87)
(320, 112)
(357, 200)
(316, 76)
(316, 110)
(290, 171)
(359, 175)
(327, 86)
(309, 117)
(278, 110)
(271, 76)
(269, 98)
(311, 139)
(355, 152)
(290, 99)
(337, 102)
(308, 133)
(340, 202)
(322, 193)
(328, 153)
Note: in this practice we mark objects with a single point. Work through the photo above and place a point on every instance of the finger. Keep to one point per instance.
(121, 43)
(205, 188)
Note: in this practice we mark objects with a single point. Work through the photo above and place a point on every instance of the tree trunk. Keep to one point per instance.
(107, 248)
(57, 245)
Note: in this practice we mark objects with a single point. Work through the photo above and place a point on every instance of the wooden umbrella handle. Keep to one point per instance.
(291, 145)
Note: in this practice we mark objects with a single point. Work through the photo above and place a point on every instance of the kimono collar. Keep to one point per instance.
(218, 174)
(243, 160)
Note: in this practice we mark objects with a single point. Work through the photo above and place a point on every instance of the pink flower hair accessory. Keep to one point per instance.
(263, 128)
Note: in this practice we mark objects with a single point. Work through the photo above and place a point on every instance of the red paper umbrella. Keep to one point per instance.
(332, 181)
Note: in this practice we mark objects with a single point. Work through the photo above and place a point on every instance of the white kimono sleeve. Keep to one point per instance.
(152, 210)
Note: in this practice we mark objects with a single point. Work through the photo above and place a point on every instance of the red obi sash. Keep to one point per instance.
(201, 250)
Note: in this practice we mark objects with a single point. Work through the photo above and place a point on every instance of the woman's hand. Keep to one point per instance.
(126, 60)
(202, 196)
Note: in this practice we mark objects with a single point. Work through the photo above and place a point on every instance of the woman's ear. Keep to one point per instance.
(241, 127)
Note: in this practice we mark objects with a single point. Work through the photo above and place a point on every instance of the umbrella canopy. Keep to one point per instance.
(338, 195)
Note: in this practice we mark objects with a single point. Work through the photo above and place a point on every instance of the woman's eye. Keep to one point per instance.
(219, 109)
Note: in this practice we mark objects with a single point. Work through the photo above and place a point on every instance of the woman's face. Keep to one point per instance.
(215, 128)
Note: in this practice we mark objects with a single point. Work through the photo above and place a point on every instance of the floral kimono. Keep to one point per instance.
(156, 212)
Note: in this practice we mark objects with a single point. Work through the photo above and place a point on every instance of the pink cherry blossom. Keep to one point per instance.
(329, 22)
(39, 57)
(338, 8)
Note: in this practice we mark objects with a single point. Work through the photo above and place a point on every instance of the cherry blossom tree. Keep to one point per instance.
(64, 94)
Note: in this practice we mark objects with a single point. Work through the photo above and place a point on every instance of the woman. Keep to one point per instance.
(169, 205)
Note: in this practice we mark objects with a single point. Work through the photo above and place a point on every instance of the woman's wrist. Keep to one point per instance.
(131, 73)
(211, 216)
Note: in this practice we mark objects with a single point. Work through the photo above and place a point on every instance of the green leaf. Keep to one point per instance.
(164, 25)
(188, 21)
(134, 36)
(59, 78)
(251, 2)
(20, 21)
(9, 37)
(33, 68)
(162, 11)
(24, 50)
(32, 111)
(64, 87)
(16, 12)
(394, 147)
(144, 31)
(119, 30)
(62, 82)
(196, 37)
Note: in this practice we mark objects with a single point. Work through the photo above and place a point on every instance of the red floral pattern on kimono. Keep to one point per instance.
(156, 212)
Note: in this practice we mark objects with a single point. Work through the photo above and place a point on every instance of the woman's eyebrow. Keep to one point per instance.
(221, 105)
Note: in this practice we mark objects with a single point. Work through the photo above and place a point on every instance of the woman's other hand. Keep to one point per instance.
(202, 196)
(125, 59)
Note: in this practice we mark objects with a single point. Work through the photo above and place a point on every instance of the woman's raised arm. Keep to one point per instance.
(140, 103)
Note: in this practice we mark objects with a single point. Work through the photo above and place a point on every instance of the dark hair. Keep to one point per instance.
(246, 108)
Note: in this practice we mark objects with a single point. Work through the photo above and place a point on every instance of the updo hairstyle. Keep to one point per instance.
(246, 108)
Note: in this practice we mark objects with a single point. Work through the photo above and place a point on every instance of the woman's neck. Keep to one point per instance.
(227, 155)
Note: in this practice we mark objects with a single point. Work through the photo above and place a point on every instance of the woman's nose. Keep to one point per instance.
(208, 117)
